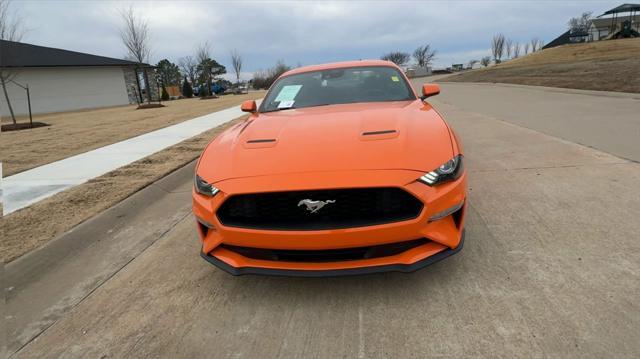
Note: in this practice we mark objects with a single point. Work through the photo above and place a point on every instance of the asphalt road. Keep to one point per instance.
(550, 267)
(607, 121)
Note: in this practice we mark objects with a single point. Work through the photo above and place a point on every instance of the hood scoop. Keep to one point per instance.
(261, 143)
(378, 135)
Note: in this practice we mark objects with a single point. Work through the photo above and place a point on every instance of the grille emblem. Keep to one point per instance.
(314, 206)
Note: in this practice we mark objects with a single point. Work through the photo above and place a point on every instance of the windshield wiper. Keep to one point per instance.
(293, 107)
(280, 109)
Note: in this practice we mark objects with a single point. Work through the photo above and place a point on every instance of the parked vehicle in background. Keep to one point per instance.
(215, 89)
(241, 89)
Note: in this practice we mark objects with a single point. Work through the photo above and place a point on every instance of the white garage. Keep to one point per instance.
(61, 80)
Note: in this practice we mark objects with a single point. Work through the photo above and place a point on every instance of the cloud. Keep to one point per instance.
(305, 32)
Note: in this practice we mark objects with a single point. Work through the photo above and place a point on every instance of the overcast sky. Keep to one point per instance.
(301, 32)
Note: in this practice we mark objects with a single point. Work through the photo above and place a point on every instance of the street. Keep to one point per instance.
(550, 265)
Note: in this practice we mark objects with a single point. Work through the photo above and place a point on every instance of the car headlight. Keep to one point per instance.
(449, 171)
(205, 188)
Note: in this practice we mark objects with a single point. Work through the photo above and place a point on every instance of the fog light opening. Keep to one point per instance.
(205, 227)
(447, 212)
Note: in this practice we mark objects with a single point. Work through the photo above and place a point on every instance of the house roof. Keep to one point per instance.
(560, 40)
(606, 22)
(623, 8)
(18, 54)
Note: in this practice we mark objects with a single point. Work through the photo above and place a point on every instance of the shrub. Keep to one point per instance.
(204, 91)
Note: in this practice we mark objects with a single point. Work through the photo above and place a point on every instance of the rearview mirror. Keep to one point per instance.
(249, 106)
(429, 90)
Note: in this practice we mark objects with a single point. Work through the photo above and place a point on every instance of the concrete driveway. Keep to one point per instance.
(550, 268)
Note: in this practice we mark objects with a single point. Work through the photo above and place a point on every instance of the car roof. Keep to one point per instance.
(339, 65)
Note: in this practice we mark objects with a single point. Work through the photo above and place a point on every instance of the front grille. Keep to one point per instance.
(329, 255)
(356, 207)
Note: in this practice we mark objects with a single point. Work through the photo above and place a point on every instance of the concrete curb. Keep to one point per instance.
(44, 284)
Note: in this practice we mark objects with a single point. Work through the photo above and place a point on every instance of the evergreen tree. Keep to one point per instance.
(165, 94)
(168, 72)
(187, 90)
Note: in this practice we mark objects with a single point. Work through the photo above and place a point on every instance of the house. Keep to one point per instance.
(62, 80)
(621, 21)
(602, 28)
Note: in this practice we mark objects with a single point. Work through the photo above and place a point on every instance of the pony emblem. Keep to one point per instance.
(314, 206)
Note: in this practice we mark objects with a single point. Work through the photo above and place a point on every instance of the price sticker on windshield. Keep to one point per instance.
(286, 104)
(288, 93)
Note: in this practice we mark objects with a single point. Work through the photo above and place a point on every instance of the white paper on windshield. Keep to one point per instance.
(288, 93)
(286, 104)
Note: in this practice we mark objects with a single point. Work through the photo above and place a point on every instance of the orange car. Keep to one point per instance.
(342, 170)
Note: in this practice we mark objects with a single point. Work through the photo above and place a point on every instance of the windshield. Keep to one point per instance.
(338, 86)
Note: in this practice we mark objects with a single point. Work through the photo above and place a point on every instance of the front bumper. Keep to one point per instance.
(444, 237)
(404, 268)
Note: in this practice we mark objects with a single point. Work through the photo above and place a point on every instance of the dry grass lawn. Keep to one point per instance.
(76, 132)
(32, 227)
(605, 65)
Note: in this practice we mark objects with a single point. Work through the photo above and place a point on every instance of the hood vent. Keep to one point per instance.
(378, 135)
(371, 133)
(261, 143)
(262, 140)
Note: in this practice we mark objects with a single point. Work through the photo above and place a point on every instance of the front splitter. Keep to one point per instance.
(404, 268)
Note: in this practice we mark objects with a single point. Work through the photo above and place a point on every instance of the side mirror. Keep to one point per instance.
(429, 90)
(249, 106)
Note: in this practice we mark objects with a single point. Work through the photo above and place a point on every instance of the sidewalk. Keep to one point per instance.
(28, 187)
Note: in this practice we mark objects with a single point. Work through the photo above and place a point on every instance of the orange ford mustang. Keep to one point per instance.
(342, 170)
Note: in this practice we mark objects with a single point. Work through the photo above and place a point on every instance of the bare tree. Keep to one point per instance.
(526, 48)
(485, 61)
(516, 50)
(236, 61)
(263, 79)
(11, 29)
(397, 57)
(135, 36)
(580, 23)
(497, 47)
(207, 67)
(188, 66)
(424, 55)
(203, 55)
(540, 44)
(535, 42)
(471, 63)
(508, 46)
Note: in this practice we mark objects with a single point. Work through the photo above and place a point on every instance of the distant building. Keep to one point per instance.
(418, 71)
(61, 80)
(621, 21)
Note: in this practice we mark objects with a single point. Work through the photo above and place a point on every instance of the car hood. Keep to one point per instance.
(407, 135)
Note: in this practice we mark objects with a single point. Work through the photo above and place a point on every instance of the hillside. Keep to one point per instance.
(605, 65)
